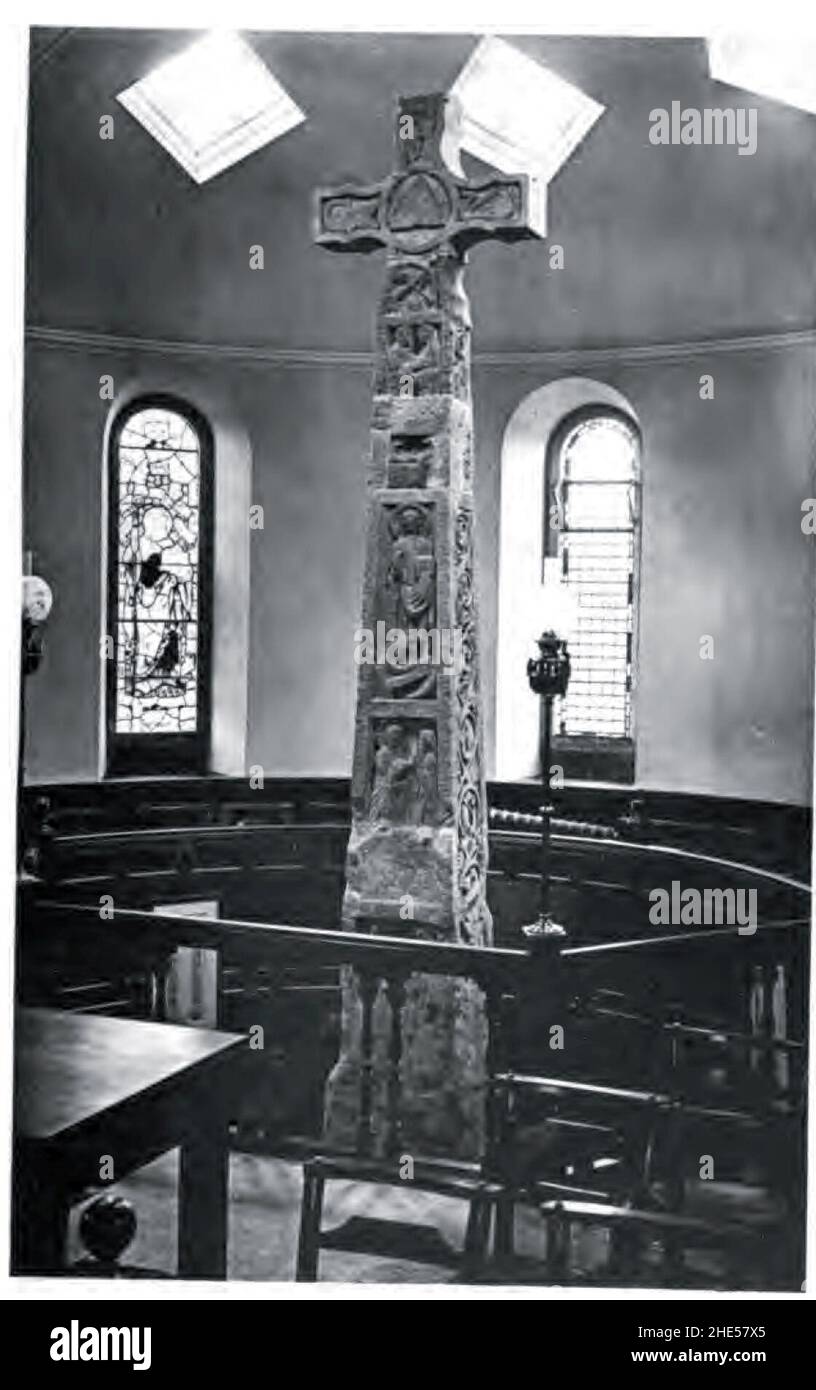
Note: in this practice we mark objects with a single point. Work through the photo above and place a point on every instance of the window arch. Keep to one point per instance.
(160, 510)
(592, 544)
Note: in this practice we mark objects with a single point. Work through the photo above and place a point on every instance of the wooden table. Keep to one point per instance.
(87, 1087)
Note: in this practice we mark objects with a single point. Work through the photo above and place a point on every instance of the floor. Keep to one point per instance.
(265, 1210)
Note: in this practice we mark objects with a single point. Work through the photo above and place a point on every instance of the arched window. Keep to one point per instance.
(592, 536)
(159, 589)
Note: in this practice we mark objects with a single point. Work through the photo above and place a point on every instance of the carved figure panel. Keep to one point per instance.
(409, 460)
(407, 598)
(410, 288)
(404, 777)
(499, 201)
(420, 130)
(350, 212)
(411, 574)
(412, 347)
(432, 356)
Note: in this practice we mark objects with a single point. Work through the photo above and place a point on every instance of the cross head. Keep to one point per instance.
(424, 206)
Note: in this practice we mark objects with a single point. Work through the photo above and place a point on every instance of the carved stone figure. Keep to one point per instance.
(412, 347)
(394, 769)
(404, 785)
(409, 289)
(408, 599)
(412, 567)
(489, 200)
(350, 213)
(418, 131)
(409, 460)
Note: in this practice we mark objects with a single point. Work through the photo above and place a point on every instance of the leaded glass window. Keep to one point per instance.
(594, 499)
(159, 589)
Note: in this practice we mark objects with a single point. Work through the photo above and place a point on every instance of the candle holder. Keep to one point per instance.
(548, 674)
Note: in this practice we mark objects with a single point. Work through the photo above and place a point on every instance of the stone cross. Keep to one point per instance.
(417, 851)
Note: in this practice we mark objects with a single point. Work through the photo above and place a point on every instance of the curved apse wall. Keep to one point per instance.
(524, 450)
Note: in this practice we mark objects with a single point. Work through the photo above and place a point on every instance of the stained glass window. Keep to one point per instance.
(595, 501)
(159, 503)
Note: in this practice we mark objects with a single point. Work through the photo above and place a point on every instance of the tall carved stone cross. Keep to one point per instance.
(418, 845)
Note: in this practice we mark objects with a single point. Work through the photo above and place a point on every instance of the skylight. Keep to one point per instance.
(519, 116)
(781, 69)
(212, 105)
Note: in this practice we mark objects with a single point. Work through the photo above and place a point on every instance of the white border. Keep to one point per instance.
(695, 18)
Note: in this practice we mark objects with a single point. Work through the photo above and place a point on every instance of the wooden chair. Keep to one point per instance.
(470, 1182)
(630, 1226)
(572, 1141)
(407, 1241)
(624, 1158)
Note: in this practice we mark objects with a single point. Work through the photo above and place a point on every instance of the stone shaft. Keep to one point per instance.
(417, 852)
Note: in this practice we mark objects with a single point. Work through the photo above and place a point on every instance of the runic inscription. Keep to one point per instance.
(417, 850)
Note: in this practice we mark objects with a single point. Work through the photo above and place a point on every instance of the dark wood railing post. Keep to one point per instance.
(558, 1244)
(502, 1009)
(158, 977)
(369, 988)
(395, 994)
(497, 1062)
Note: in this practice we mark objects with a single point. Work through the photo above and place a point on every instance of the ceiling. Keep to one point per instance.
(661, 243)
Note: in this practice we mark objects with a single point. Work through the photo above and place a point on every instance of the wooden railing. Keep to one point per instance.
(555, 984)
(58, 940)
(139, 933)
(760, 834)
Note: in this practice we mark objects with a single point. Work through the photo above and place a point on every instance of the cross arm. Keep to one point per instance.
(507, 207)
(349, 218)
